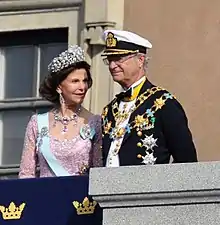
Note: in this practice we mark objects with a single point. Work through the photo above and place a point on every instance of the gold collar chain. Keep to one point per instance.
(142, 122)
(123, 114)
(140, 100)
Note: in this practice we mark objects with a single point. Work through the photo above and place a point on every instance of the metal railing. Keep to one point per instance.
(9, 171)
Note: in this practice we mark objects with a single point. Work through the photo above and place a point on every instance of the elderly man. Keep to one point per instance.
(144, 124)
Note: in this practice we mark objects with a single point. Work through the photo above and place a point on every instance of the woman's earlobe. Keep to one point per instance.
(59, 91)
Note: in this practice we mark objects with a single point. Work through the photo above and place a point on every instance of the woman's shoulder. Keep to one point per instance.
(34, 119)
(31, 127)
(96, 118)
(92, 119)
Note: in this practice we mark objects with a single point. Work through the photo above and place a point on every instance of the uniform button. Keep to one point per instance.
(139, 156)
(139, 133)
(139, 144)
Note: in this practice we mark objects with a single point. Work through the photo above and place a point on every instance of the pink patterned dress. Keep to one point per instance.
(74, 155)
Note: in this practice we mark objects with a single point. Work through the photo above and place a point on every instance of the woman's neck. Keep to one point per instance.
(70, 110)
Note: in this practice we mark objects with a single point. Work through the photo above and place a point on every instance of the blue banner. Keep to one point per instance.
(48, 201)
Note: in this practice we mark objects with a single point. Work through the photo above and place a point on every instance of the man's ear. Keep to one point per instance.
(141, 61)
(141, 58)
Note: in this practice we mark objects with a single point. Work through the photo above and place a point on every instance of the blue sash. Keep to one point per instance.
(56, 167)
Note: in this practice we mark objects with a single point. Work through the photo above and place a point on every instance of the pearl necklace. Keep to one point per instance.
(65, 120)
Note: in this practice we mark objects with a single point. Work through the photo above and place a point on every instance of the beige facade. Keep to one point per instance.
(184, 58)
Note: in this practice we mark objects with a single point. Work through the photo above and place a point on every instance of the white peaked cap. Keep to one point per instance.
(124, 42)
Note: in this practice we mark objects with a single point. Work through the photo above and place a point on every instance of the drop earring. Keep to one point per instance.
(62, 101)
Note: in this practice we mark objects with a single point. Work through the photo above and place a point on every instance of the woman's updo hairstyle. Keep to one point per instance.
(58, 70)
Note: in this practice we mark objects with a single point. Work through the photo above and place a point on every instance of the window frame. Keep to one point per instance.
(34, 103)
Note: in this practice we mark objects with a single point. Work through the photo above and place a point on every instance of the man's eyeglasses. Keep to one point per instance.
(117, 59)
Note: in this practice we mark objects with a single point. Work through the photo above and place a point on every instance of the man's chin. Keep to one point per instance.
(116, 77)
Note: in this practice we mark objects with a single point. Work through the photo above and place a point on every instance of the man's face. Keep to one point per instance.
(124, 68)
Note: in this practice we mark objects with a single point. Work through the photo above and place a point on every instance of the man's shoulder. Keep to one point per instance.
(160, 96)
(171, 102)
(154, 92)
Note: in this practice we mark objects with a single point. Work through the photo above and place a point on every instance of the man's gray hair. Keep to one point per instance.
(146, 60)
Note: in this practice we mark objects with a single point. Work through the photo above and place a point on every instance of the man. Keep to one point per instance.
(144, 124)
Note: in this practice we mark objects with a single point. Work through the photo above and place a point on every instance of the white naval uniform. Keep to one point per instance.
(113, 159)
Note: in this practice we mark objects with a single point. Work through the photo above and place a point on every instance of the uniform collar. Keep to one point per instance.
(135, 89)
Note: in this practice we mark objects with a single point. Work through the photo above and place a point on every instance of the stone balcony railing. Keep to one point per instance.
(174, 194)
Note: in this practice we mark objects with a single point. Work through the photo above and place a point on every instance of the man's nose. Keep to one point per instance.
(112, 64)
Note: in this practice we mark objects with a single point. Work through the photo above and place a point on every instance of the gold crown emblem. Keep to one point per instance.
(111, 41)
(86, 207)
(12, 212)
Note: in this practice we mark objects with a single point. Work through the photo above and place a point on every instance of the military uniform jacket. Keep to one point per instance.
(157, 129)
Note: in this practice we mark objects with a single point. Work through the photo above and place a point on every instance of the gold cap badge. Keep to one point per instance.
(111, 41)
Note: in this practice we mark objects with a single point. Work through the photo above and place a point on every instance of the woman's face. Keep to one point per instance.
(75, 87)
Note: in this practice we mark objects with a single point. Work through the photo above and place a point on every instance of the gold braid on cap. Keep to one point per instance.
(118, 52)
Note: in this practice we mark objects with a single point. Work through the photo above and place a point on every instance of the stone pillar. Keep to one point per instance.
(100, 15)
(178, 194)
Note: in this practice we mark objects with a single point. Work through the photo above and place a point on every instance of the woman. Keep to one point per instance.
(66, 140)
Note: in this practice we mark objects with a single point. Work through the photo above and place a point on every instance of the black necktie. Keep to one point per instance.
(124, 94)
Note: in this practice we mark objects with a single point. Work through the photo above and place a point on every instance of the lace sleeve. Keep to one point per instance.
(28, 159)
(97, 153)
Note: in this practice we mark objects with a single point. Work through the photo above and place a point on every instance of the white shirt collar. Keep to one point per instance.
(135, 84)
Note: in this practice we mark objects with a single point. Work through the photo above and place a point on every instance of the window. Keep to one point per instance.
(24, 57)
(14, 123)
(47, 53)
(19, 70)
